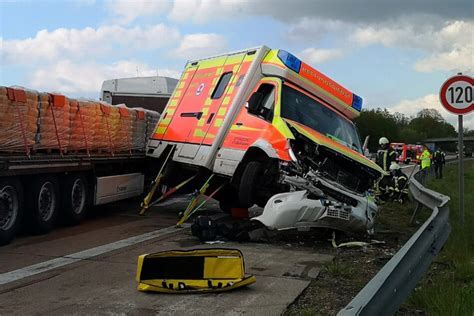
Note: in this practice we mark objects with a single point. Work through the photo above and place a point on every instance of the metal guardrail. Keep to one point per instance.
(387, 290)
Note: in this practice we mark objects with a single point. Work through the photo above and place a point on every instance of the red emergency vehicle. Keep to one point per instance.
(251, 115)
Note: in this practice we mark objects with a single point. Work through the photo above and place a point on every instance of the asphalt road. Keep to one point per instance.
(90, 268)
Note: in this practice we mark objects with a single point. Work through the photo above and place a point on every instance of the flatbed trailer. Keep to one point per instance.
(37, 191)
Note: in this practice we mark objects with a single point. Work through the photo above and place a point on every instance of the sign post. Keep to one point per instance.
(456, 95)
(461, 169)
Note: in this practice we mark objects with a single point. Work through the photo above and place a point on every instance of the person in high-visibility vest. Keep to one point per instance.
(425, 162)
(385, 155)
(398, 189)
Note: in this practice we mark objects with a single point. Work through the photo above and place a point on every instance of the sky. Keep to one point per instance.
(395, 54)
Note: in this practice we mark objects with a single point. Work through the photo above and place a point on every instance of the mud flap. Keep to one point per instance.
(192, 271)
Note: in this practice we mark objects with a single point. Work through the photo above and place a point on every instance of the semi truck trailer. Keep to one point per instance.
(58, 156)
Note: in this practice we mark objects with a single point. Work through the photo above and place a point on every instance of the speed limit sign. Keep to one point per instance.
(456, 94)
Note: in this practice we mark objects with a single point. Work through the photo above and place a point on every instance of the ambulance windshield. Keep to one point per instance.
(299, 107)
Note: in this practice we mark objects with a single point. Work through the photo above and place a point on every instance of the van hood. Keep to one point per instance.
(325, 141)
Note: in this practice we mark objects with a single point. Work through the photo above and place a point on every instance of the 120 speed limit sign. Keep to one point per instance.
(456, 94)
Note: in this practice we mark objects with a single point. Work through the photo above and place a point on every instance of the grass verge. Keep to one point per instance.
(448, 287)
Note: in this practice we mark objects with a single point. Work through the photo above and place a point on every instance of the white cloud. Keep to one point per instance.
(459, 59)
(430, 101)
(194, 46)
(312, 30)
(129, 10)
(318, 56)
(86, 79)
(87, 42)
(362, 11)
(449, 46)
(202, 11)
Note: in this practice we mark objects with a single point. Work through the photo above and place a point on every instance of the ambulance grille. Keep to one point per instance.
(338, 213)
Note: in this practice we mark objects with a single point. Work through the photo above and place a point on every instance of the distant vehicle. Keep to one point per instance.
(407, 153)
(151, 93)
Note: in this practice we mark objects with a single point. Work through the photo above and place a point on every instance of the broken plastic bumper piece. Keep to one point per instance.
(295, 210)
(192, 271)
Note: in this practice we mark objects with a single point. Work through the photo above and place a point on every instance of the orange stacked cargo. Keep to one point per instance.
(103, 133)
(152, 119)
(113, 121)
(54, 122)
(139, 130)
(18, 120)
(123, 135)
(83, 124)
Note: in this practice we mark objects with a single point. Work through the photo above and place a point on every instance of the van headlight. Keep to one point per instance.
(292, 155)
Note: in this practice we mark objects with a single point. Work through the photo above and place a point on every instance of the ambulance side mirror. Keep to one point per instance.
(254, 102)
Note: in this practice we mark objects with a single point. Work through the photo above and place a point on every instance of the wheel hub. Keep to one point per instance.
(46, 201)
(77, 196)
(8, 207)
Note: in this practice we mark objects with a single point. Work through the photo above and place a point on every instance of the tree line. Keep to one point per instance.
(399, 128)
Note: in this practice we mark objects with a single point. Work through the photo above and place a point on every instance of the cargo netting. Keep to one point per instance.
(48, 122)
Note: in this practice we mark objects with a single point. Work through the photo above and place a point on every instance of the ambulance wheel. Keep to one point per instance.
(74, 198)
(42, 204)
(249, 183)
(11, 209)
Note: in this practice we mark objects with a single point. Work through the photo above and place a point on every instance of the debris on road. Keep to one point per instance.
(300, 210)
(192, 271)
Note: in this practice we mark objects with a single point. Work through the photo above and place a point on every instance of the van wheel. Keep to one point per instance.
(74, 197)
(11, 209)
(249, 183)
(43, 204)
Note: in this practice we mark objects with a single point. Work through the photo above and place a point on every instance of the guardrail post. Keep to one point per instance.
(417, 210)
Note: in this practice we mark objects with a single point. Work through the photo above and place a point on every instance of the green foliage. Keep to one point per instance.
(339, 270)
(399, 128)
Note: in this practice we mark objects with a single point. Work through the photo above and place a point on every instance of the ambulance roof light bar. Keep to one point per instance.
(292, 62)
(289, 60)
(356, 102)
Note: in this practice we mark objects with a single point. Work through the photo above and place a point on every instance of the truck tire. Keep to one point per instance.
(42, 204)
(11, 209)
(74, 199)
(249, 183)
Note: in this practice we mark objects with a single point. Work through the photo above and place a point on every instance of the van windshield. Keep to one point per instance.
(300, 108)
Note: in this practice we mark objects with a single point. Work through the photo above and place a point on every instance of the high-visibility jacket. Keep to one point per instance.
(425, 159)
(399, 183)
(385, 157)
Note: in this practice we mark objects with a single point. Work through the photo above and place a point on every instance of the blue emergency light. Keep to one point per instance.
(290, 60)
(356, 102)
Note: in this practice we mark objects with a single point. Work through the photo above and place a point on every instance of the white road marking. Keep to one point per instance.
(22, 273)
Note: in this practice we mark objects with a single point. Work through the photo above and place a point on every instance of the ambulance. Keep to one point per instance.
(258, 116)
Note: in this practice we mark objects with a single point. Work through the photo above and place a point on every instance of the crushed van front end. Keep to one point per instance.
(328, 187)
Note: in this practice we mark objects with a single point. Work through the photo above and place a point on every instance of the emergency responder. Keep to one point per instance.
(385, 155)
(439, 159)
(398, 188)
(425, 161)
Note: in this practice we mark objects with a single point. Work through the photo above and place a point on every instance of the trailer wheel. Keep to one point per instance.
(74, 198)
(11, 209)
(43, 204)
(249, 183)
